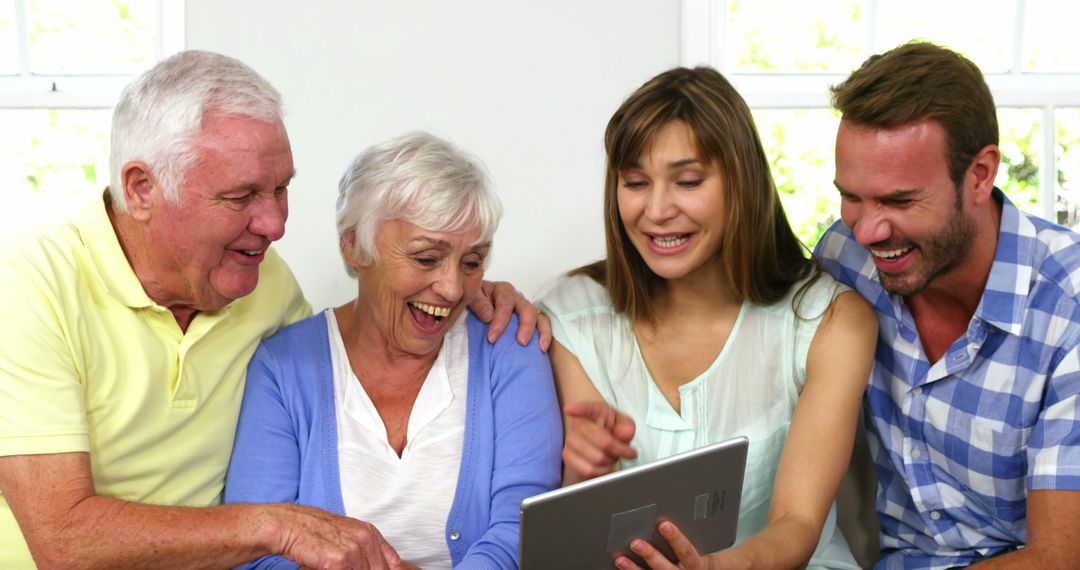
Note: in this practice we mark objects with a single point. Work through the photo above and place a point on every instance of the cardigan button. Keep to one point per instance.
(454, 535)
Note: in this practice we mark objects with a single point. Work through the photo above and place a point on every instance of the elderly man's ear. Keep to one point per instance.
(139, 186)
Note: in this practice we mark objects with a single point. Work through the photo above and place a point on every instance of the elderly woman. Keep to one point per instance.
(393, 408)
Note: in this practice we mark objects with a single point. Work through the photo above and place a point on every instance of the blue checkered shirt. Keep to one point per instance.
(958, 442)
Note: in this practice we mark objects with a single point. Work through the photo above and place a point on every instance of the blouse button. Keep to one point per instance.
(454, 535)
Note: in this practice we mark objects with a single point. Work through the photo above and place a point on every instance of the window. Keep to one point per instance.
(783, 55)
(62, 67)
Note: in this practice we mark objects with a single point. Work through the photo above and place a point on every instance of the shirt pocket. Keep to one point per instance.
(996, 470)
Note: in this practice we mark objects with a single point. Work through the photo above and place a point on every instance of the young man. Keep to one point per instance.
(973, 397)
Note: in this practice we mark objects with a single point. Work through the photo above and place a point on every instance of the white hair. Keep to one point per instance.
(160, 114)
(418, 178)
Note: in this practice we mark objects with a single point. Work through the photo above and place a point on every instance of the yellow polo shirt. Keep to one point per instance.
(89, 363)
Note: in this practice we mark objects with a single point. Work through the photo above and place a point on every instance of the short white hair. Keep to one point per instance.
(160, 114)
(418, 178)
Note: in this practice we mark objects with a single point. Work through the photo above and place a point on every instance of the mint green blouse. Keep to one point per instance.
(750, 389)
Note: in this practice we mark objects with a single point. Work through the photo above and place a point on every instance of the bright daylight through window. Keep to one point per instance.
(783, 55)
(62, 66)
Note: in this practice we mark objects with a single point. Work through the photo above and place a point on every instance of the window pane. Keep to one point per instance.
(92, 36)
(1018, 176)
(985, 35)
(799, 144)
(785, 36)
(9, 40)
(51, 162)
(1049, 44)
(1068, 160)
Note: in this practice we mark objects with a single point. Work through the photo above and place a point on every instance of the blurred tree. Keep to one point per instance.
(1067, 204)
(1020, 134)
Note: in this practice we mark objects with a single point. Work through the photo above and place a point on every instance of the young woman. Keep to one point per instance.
(706, 321)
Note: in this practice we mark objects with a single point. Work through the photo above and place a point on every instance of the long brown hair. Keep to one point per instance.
(761, 258)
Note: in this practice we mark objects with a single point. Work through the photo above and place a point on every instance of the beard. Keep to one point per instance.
(940, 253)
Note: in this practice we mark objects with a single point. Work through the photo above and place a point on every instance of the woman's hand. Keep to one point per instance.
(688, 556)
(597, 437)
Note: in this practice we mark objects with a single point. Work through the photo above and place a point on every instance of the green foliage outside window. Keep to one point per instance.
(1018, 176)
(53, 160)
(782, 36)
(1067, 154)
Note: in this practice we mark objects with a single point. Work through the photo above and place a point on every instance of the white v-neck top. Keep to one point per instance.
(750, 389)
(407, 498)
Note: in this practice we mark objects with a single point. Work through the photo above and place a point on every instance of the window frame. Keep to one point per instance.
(704, 36)
(28, 90)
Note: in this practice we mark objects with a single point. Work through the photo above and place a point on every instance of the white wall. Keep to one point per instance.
(526, 86)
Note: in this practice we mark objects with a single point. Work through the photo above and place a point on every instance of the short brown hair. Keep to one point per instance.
(762, 258)
(920, 80)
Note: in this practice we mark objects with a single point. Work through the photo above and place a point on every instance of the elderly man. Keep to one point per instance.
(127, 336)
(973, 398)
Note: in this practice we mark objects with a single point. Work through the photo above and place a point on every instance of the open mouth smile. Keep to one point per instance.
(668, 244)
(428, 318)
(894, 260)
(890, 254)
(437, 312)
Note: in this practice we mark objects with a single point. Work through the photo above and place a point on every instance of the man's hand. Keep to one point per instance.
(497, 301)
(317, 539)
(67, 525)
(597, 437)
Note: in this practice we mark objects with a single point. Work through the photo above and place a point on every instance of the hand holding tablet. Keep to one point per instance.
(588, 525)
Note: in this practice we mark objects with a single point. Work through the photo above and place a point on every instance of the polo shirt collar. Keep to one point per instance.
(109, 262)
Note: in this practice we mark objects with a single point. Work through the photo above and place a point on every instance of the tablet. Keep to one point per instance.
(586, 525)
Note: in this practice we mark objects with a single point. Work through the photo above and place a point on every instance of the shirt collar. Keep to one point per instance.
(109, 262)
(1003, 300)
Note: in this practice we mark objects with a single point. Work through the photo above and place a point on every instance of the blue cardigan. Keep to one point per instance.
(286, 439)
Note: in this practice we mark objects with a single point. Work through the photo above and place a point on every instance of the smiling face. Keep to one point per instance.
(900, 202)
(206, 250)
(672, 205)
(421, 284)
